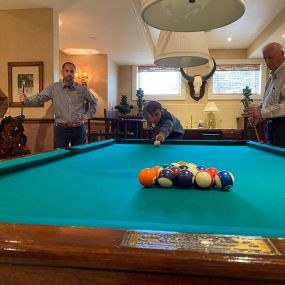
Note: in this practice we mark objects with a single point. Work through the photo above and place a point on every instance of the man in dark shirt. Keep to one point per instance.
(166, 125)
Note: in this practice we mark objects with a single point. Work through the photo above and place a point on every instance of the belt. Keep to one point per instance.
(68, 125)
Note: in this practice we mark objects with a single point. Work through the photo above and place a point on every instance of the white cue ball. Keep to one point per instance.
(157, 143)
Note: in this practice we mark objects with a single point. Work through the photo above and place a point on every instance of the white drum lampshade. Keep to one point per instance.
(181, 49)
(191, 15)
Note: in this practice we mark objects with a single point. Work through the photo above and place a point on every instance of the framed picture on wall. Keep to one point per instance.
(27, 76)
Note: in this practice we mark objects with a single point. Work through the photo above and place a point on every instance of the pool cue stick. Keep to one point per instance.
(256, 133)
(23, 91)
(255, 129)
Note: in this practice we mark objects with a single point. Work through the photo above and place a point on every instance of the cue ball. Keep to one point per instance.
(157, 143)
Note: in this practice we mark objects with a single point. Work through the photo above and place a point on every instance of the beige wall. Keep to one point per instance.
(27, 35)
(113, 73)
(96, 67)
(189, 110)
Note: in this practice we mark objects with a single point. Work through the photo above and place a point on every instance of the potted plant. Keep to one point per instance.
(124, 107)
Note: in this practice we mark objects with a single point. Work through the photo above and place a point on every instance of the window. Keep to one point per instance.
(231, 77)
(159, 83)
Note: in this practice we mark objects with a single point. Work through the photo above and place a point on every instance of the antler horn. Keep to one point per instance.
(186, 76)
(208, 76)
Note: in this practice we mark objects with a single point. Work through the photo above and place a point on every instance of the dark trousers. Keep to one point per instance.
(275, 132)
(63, 137)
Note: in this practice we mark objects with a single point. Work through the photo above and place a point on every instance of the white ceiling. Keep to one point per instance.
(114, 27)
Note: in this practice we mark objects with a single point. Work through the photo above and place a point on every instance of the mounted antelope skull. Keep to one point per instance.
(197, 83)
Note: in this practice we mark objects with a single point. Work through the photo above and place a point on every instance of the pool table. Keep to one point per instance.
(80, 216)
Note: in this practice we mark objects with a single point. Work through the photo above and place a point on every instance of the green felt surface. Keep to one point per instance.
(99, 188)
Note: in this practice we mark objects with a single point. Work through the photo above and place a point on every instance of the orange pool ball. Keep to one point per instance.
(156, 169)
(147, 177)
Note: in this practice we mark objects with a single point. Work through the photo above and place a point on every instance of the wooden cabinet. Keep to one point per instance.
(213, 134)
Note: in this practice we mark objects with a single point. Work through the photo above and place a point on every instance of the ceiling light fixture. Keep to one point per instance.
(80, 51)
(191, 15)
(181, 49)
(229, 39)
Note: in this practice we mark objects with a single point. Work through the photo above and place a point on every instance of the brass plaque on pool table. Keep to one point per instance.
(199, 242)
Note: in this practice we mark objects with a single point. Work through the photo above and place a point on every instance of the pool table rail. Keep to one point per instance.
(75, 252)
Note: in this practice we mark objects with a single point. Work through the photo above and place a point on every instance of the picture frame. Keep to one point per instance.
(27, 75)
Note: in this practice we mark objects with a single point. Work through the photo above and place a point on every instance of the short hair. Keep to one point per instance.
(153, 106)
(273, 44)
(68, 62)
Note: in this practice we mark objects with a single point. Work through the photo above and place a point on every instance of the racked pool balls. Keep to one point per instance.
(224, 180)
(147, 177)
(166, 178)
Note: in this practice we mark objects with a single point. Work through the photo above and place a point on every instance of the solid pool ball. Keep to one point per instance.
(175, 170)
(167, 165)
(147, 177)
(166, 178)
(156, 169)
(201, 167)
(182, 162)
(204, 179)
(224, 180)
(184, 179)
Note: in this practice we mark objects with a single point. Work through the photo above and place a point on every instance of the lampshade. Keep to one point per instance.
(181, 49)
(191, 15)
(211, 107)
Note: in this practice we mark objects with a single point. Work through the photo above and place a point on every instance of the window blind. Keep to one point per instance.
(233, 78)
(159, 81)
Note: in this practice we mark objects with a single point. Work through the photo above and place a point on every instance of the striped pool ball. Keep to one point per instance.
(224, 180)
(204, 179)
(183, 167)
(166, 178)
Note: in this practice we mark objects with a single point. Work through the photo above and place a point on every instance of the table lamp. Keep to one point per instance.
(211, 120)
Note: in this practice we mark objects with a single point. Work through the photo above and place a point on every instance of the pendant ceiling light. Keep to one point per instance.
(181, 49)
(191, 15)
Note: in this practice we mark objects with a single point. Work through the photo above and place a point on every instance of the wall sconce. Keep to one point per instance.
(211, 119)
(191, 15)
(83, 78)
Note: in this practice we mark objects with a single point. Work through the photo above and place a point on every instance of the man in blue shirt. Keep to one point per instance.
(69, 101)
